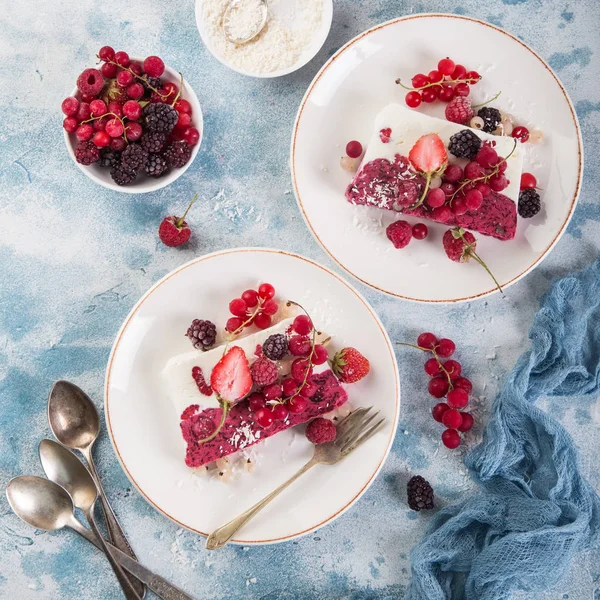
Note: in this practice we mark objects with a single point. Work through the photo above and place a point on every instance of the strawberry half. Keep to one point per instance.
(350, 366)
(429, 157)
(231, 378)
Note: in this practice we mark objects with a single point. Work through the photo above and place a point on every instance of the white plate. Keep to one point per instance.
(142, 183)
(144, 427)
(281, 9)
(341, 104)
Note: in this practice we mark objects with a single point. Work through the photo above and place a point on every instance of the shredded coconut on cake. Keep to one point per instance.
(276, 47)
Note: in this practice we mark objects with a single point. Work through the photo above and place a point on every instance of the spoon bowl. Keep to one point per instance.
(230, 14)
(39, 502)
(65, 469)
(72, 416)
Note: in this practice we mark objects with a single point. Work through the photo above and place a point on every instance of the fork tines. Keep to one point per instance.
(354, 429)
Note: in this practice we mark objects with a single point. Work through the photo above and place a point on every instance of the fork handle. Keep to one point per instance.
(219, 537)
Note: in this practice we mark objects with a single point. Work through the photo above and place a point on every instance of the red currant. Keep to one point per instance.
(427, 340)
(272, 392)
(448, 188)
(106, 53)
(101, 139)
(464, 384)
(420, 80)
(474, 199)
(428, 95)
(183, 106)
(435, 76)
(135, 91)
(484, 189)
(420, 231)
(442, 214)
(457, 398)
(461, 89)
(270, 307)
(446, 93)
(460, 206)
(118, 144)
(238, 307)
(136, 67)
(122, 58)
(473, 77)
(310, 388)
(528, 181)
(124, 78)
(70, 124)
(98, 108)
(521, 133)
(459, 72)
(289, 386)
(84, 132)
(438, 387)
(132, 110)
(264, 417)
(453, 173)
(301, 369)
(133, 130)
(487, 157)
(299, 345)
(154, 66)
(70, 106)
(498, 182)
(445, 348)
(234, 324)
(446, 66)
(467, 422)
(302, 325)
(354, 149)
(116, 108)
(256, 401)
(250, 297)
(320, 355)
(453, 368)
(114, 128)
(438, 411)
(262, 320)
(298, 404)
(435, 197)
(451, 439)
(280, 412)
(108, 70)
(452, 419)
(184, 120)
(432, 367)
(413, 99)
(266, 291)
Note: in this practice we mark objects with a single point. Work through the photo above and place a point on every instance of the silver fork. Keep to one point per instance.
(352, 431)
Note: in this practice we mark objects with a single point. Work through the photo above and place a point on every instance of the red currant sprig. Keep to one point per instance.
(254, 307)
(446, 381)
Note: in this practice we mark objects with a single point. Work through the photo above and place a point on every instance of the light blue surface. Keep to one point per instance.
(74, 258)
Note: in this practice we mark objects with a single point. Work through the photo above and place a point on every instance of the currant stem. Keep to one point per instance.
(180, 221)
(437, 358)
(477, 258)
(487, 101)
(179, 90)
(424, 194)
(225, 406)
(440, 83)
(140, 77)
(108, 115)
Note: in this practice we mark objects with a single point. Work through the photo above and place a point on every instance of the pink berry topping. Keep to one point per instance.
(321, 431)
(399, 233)
(459, 110)
(385, 135)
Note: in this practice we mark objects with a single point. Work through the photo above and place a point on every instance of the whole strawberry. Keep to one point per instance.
(174, 231)
(460, 247)
(429, 157)
(350, 366)
(459, 110)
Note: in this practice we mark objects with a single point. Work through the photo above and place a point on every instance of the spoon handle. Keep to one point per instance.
(126, 586)
(115, 532)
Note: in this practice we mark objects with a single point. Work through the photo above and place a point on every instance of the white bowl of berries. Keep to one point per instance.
(132, 125)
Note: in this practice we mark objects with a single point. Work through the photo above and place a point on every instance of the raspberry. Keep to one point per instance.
(321, 431)
(87, 153)
(160, 117)
(154, 66)
(202, 334)
(264, 372)
(399, 233)
(153, 141)
(459, 110)
(121, 176)
(156, 166)
(198, 377)
(90, 82)
(420, 493)
(178, 154)
(276, 346)
(464, 144)
(134, 158)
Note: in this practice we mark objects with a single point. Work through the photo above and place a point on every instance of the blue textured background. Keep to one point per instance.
(75, 257)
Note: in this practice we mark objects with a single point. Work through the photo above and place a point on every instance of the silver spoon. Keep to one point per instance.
(75, 423)
(65, 469)
(45, 505)
(229, 15)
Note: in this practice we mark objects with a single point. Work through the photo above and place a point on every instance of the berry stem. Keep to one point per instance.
(440, 83)
(179, 90)
(485, 177)
(225, 406)
(487, 101)
(313, 343)
(437, 358)
(180, 221)
(470, 251)
(239, 330)
(109, 114)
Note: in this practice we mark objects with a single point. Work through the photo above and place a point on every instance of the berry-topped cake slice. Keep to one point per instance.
(252, 386)
(440, 170)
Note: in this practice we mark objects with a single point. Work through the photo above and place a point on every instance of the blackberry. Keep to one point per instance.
(156, 166)
(202, 334)
(464, 144)
(420, 494)
(491, 118)
(160, 117)
(121, 176)
(152, 82)
(110, 159)
(134, 158)
(529, 203)
(153, 141)
(87, 153)
(178, 154)
(275, 346)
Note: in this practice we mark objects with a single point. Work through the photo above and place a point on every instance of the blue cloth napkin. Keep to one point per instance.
(535, 510)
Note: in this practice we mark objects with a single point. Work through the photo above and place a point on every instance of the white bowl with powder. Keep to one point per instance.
(295, 31)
